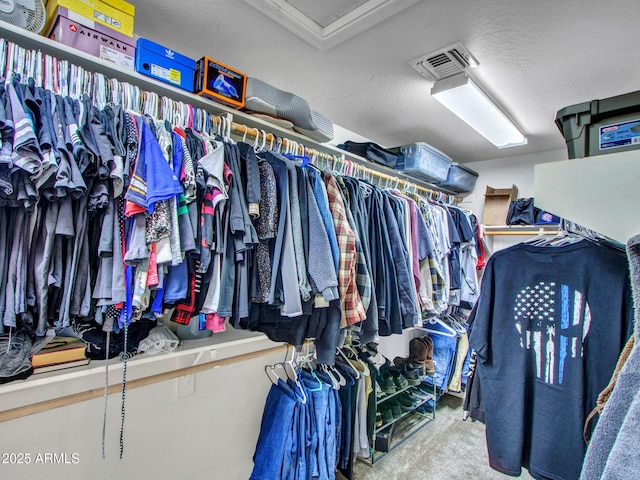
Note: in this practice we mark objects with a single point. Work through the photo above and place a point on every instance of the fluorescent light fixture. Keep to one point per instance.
(464, 98)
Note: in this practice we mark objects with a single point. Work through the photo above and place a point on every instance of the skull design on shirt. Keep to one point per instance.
(552, 320)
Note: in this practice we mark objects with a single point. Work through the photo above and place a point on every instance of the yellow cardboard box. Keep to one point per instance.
(115, 14)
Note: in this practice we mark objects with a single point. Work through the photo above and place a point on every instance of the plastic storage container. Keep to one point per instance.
(601, 126)
(460, 179)
(374, 152)
(423, 161)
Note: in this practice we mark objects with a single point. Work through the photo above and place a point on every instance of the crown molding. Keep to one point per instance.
(351, 24)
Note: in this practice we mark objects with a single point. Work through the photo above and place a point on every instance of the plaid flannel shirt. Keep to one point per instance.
(352, 309)
(363, 277)
(440, 295)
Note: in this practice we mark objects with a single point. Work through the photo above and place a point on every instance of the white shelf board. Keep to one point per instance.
(33, 41)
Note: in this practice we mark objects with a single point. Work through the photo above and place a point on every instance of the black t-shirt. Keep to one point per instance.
(549, 327)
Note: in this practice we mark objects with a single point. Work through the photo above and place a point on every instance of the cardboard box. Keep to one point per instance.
(87, 22)
(116, 15)
(95, 43)
(219, 82)
(164, 64)
(496, 204)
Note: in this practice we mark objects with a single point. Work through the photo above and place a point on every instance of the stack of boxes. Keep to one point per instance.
(103, 28)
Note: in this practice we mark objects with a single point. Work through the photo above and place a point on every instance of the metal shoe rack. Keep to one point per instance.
(392, 434)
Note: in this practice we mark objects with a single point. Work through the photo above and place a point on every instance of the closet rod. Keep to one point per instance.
(243, 130)
(29, 40)
(44, 406)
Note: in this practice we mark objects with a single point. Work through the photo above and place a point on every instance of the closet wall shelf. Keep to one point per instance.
(520, 229)
(60, 388)
(33, 41)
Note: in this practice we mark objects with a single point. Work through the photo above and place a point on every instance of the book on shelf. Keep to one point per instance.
(59, 350)
(60, 366)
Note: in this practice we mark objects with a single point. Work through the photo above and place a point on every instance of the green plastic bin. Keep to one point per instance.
(601, 126)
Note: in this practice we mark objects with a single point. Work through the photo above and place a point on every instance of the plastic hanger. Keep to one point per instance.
(269, 370)
(341, 353)
(335, 383)
(438, 327)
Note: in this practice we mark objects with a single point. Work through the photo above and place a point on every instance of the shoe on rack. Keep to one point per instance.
(400, 361)
(386, 414)
(406, 403)
(379, 420)
(398, 379)
(387, 386)
(421, 352)
(394, 407)
(418, 393)
(425, 388)
(430, 364)
(426, 407)
(411, 372)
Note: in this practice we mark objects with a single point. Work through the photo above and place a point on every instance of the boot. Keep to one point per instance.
(421, 352)
(429, 364)
(417, 352)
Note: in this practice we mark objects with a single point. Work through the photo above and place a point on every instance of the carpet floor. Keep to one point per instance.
(445, 449)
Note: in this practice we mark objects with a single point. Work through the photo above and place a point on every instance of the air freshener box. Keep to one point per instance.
(219, 82)
(164, 64)
(105, 47)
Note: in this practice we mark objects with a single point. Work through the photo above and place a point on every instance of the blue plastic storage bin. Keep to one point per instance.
(423, 161)
(460, 179)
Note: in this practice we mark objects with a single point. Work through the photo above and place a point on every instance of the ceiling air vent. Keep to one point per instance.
(444, 62)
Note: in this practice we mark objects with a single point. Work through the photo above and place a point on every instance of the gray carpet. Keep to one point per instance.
(445, 449)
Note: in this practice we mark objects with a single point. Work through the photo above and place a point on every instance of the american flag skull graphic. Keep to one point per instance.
(553, 321)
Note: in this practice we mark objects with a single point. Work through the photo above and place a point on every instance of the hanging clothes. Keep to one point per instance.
(549, 325)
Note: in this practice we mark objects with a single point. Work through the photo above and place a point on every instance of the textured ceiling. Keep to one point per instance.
(327, 11)
(535, 58)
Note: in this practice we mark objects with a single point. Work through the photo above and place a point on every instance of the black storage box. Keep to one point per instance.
(601, 126)
(374, 152)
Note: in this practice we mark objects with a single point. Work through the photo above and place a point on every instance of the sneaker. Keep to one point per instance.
(387, 385)
(416, 392)
(412, 373)
(425, 389)
(398, 379)
(426, 407)
(379, 392)
(394, 408)
(379, 419)
(406, 403)
(386, 414)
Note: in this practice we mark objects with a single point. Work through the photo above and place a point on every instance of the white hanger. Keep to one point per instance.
(448, 330)
(346, 359)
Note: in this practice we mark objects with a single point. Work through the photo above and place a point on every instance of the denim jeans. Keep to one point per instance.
(444, 351)
(311, 453)
(321, 410)
(276, 432)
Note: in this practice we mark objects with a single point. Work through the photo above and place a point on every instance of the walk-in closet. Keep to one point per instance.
(289, 239)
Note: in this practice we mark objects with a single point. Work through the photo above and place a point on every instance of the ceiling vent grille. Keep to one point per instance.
(445, 62)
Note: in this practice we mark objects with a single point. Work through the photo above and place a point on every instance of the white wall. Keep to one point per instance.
(599, 192)
(504, 172)
(211, 434)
